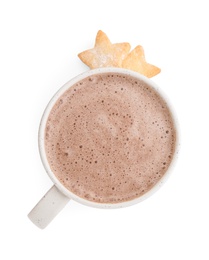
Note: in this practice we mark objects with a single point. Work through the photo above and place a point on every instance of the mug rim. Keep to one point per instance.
(47, 111)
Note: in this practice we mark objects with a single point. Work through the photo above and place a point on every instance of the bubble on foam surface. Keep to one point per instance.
(109, 145)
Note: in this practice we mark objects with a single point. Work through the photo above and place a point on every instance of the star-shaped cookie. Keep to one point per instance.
(135, 60)
(104, 53)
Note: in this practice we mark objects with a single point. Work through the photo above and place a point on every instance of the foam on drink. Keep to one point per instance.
(110, 138)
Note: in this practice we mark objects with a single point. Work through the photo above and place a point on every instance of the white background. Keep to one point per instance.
(39, 44)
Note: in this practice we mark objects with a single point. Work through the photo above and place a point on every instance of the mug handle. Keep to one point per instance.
(48, 207)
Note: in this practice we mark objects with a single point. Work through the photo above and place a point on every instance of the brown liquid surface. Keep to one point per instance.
(110, 138)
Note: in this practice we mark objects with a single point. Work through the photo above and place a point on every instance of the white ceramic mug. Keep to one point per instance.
(58, 196)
